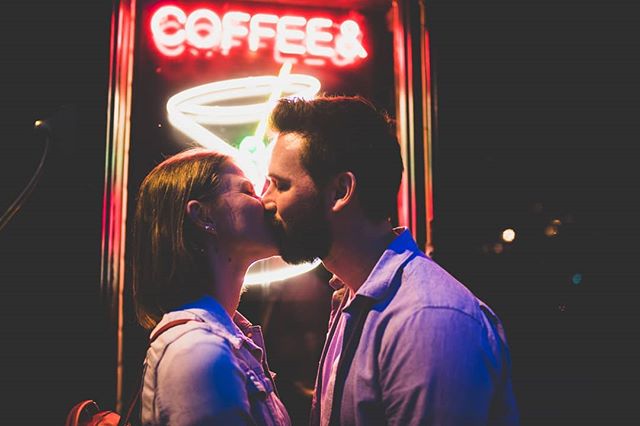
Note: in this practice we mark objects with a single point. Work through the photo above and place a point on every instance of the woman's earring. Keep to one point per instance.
(208, 228)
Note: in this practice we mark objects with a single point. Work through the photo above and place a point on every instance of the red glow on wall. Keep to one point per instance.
(202, 32)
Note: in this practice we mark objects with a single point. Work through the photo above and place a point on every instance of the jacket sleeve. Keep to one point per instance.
(201, 383)
(435, 369)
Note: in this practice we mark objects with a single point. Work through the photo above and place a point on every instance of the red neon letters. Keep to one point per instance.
(202, 32)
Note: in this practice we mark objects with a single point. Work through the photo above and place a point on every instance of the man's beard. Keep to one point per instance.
(306, 237)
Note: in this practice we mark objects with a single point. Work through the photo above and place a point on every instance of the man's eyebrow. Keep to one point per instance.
(277, 177)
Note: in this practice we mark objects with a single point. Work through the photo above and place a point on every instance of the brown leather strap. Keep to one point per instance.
(169, 325)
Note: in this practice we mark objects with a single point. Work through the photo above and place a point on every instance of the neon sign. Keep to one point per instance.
(202, 32)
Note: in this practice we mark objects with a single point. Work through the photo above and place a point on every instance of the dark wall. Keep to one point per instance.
(536, 107)
(56, 346)
(536, 120)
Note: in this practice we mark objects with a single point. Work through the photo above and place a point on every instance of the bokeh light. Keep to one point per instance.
(508, 235)
(551, 231)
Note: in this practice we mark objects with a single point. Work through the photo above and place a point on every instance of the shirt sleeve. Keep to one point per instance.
(201, 383)
(436, 369)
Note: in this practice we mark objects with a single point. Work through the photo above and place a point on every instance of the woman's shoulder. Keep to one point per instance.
(198, 352)
(198, 374)
(198, 338)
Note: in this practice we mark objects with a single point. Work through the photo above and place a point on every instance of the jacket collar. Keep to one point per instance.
(237, 330)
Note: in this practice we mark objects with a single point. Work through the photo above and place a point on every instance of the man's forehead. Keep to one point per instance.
(286, 151)
(290, 141)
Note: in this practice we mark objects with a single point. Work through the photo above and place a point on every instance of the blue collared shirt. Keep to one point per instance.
(430, 352)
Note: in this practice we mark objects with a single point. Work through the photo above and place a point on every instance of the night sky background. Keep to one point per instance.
(536, 121)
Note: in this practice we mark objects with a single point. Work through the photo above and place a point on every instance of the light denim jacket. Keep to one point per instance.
(209, 372)
(430, 352)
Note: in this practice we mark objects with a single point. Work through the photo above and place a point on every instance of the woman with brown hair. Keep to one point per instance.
(198, 227)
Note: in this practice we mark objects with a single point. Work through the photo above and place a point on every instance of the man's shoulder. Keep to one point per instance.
(426, 285)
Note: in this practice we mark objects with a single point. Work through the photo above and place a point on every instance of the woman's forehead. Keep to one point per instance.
(231, 168)
(232, 176)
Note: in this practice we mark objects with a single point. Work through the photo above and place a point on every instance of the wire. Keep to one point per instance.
(26, 192)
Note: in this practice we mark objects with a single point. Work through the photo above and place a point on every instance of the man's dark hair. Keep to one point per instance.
(345, 133)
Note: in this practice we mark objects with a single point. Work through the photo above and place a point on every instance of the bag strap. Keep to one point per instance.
(125, 420)
(169, 325)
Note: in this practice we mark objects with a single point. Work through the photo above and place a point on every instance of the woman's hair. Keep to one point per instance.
(169, 267)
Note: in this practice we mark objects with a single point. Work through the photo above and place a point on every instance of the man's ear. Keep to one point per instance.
(197, 213)
(344, 186)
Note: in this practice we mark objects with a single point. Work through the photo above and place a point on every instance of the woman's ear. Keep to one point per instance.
(344, 186)
(197, 213)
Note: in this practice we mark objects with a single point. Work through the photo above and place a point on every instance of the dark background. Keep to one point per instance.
(537, 118)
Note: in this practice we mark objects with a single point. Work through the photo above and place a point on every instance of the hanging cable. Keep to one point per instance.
(26, 192)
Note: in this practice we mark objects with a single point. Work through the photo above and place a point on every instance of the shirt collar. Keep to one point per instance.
(380, 279)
